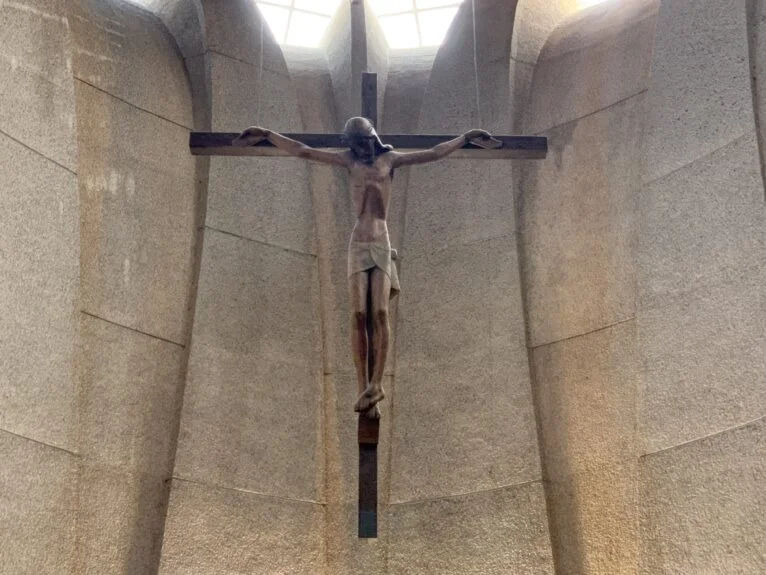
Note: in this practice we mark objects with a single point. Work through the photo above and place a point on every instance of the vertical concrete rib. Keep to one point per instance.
(756, 42)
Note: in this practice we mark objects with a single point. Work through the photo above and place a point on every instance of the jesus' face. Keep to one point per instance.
(363, 147)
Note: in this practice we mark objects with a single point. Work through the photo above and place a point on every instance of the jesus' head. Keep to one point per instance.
(364, 142)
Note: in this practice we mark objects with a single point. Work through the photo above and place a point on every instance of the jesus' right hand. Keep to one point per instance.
(251, 136)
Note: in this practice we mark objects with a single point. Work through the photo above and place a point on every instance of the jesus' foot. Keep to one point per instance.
(373, 412)
(371, 396)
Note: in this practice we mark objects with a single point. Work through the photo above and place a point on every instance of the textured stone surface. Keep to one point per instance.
(702, 225)
(346, 51)
(184, 20)
(586, 395)
(240, 99)
(573, 80)
(461, 426)
(37, 502)
(36, 78)
(407, 81)
(490, 533)
(233, 28)
(129, 398)
(703, 362)
(211, 531)
(577, 219)
(461, 301)
(347, 554)
(521, 87)
(700, 97)
(756, 31)
(462, 406)
(586, 27)
(594, 521)
(378, 55)
(120, 522)
(450, 104)
(586, 400)
(264, 199)
(457, 201)
(127, 52)
(40, 271)
(311, 80)
(533, 23)
(702, 506)
(253, 393)
(138, 190)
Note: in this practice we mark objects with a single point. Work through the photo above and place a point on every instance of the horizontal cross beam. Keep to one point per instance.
(514, 147)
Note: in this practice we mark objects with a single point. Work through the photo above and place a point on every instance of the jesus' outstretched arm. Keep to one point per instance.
(255, 134)
(441, 150)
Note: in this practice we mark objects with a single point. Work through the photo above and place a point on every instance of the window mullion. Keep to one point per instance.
(417, 25)
(289, 21)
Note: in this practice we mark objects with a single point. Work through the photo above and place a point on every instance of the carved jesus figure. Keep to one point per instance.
(371, 166)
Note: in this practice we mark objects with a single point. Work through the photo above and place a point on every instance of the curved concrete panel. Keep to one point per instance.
(577, 214)
(138, 215)
(246, 448)
(463, 421)
(700, 256)
(39, 291)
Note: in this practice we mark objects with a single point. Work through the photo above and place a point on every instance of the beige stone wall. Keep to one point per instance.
(643, 239)
(39, 266)
(98, 256)
(577, 223)
(137, 268)
(700, 309)
(247, 495)
(176, 390)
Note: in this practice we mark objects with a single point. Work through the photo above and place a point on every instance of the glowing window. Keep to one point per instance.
(298, 22)
(587, 3)
(415, 23)
(406, 23)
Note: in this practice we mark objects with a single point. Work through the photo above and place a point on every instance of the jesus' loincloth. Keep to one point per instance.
(363, 256)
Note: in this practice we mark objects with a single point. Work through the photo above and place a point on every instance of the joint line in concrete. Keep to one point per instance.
(38, 152)
(132, 105)
(94, 316)
(248, 491)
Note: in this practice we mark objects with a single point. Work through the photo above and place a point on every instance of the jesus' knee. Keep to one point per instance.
(359, 319)
(381, 318)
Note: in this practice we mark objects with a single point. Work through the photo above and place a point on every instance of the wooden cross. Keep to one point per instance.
(513, 147)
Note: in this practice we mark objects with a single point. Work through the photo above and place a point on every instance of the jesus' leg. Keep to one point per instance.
(358, 286)
(380, 289)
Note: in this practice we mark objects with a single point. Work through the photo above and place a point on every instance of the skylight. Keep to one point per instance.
(298, 22)
(406, 23)
(415, 23)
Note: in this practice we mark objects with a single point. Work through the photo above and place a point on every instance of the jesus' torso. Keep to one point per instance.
(371, 195)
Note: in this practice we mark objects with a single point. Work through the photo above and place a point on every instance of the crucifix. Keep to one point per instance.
(370, 161)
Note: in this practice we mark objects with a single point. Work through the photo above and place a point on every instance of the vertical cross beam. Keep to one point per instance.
(368, 429)
(370, 97)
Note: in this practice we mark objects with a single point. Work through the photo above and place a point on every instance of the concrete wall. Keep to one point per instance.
(643, 270)
(137, 216)
(246, 495)
(464, 467)
(177, 387)
(578, 230)
(98, 256)
(39, 266)
(700, 308)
